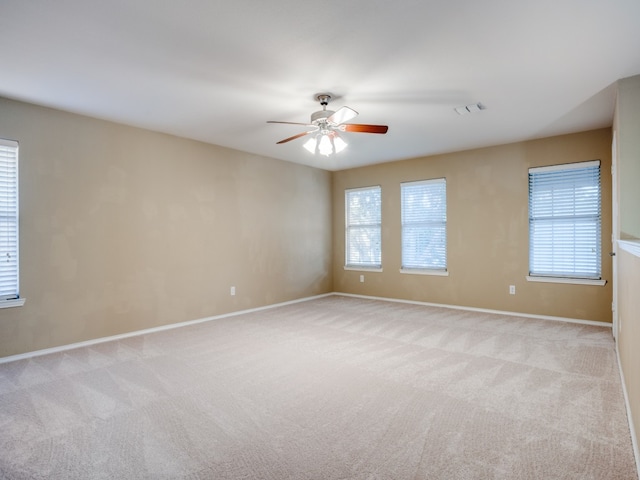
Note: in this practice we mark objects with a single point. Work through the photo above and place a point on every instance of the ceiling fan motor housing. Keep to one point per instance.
(321, 116)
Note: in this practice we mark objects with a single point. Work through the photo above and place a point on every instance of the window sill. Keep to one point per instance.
(362, 268)
(16, 302)
(425, 271)
(573, 281)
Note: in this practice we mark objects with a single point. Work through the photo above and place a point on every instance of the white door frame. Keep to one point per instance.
(615, 235)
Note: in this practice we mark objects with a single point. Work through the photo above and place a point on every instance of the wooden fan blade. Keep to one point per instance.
(291, 123)
(342, 115)
(294, 137)
(355, 127)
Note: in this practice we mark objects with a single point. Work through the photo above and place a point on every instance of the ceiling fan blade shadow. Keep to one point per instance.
(295, 137)
(358, 127)
(343, 114)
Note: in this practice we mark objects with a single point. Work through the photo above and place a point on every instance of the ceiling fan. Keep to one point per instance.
(326, 124)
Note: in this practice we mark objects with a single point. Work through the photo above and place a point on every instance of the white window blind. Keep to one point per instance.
(8, 220)
(363, 227)
(565, 221)
(424, 224)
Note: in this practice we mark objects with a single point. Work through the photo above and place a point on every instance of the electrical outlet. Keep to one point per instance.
(233, 291)
(512, 289)
(361, 278)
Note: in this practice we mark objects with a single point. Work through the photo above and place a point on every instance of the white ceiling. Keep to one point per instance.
(216, 70)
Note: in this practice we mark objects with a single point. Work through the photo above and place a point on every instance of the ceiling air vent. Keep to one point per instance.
(473, 108)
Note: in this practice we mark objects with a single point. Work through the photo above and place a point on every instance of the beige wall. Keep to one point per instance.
(487, 228)
(627, 134)
(124, 229)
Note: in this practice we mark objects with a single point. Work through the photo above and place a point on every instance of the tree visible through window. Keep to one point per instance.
(424, 224)
(363, 227)
(565, 221)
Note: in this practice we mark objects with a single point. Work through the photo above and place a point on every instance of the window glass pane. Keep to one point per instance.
(424, 224)
(363, 227)
(565, 221)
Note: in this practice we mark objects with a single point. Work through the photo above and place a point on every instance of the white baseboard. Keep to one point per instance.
(171, 326)
(634, 438)
(482, 310)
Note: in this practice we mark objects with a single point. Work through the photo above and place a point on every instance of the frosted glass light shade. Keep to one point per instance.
(339, 144)
(325, 144)
(325, 147)
(310, 145)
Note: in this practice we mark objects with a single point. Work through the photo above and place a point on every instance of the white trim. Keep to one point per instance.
(9, 143)
(565, 166)
(615, 233)
(425, 271)
(71, 346)
(362, 268)
(14, 302)
(364, 188)
(88, 343)
(631, 246)
(425, 182)
(632, 430)
(482, 310)
(12, 144)
(574, 281)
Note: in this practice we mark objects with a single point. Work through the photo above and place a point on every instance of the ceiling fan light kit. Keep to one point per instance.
(325, 144)
(326, 124)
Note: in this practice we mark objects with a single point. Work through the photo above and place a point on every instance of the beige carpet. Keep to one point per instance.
(333, 388)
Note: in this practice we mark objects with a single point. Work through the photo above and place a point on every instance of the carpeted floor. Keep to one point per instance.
(333, 388)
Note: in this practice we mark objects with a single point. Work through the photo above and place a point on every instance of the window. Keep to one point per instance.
(564, 221)
(424, 225)
(363, 227)
(8, 222)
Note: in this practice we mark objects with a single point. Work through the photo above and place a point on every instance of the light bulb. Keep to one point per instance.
(325, 146)
(310, 145)
(339, 144)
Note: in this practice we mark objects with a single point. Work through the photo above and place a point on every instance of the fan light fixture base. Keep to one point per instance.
(320, 117)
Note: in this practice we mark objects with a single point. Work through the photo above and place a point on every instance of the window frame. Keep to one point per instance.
(425, 225)
(349, 263)
(10, 220)
(573, 277)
